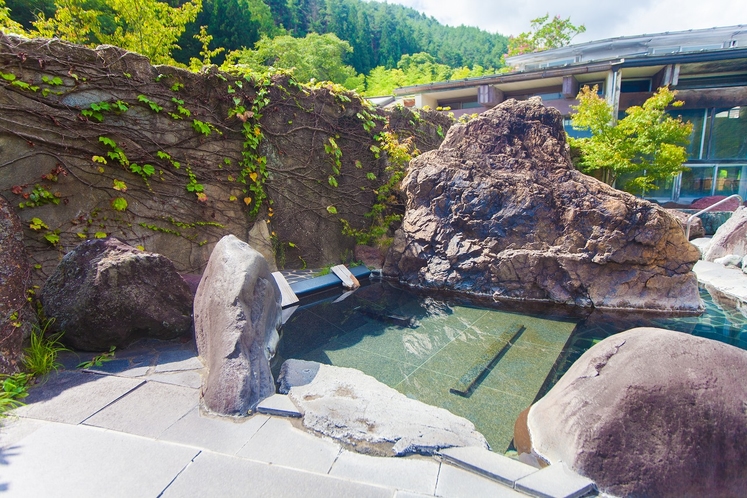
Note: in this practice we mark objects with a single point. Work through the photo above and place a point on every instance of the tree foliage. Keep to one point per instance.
(8, 25)
(647, 142)
(416, 69)
(148, 27)
(544, 34)
(313, 57)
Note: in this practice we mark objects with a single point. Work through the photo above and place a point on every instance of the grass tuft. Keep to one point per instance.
(40, 357)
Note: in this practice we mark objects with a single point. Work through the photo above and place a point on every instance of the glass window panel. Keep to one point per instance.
(727, 180)
(697, 118)
(697, 182)
(729, 136)
(665, 188)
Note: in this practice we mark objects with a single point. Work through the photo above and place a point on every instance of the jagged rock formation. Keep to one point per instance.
(106, 293)
(650, 412)
(499, 210)
(237, 314)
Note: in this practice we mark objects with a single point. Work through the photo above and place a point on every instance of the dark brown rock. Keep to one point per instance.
(237, 314)
(499, 210)
(15, 277)
(696, 226)
(650, 412)
(373, 257)
(106, 293)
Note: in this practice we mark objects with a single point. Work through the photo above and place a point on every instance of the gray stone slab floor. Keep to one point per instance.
(222, 435)
(555, 481)
(72, 396)
(136, 430)
(417, 475)
(64, 460)
(148, 410)
(457, 483)
(212, 474)
(278, 442)
(488, 464)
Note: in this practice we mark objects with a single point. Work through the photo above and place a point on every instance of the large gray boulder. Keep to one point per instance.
(730, 238)
(107, 293)
(499, 210)
(237, 314)
(356, 409)
(15, 278)
(650, 412)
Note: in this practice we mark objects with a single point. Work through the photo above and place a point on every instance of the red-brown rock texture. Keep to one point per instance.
(499, 210)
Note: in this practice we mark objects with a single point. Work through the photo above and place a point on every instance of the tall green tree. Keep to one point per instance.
(233, 24)
(647, 142)
(544, 34)
(8, 25)
(148, 27)
(313, 57)
(26, 11)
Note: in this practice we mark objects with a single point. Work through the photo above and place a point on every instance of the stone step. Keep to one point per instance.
(486, 361)
(555, 481)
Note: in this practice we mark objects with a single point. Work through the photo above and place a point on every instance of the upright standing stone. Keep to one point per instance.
(237, 314)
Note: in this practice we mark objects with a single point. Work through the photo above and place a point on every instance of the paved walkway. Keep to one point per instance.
(132, 428)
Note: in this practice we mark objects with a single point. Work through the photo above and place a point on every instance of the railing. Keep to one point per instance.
(691, 218)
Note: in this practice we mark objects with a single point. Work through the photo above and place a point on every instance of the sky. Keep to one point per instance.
(602, 18)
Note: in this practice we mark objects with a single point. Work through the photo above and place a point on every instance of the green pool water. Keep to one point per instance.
(485, 363)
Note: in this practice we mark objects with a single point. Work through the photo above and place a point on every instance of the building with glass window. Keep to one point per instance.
(707, 67)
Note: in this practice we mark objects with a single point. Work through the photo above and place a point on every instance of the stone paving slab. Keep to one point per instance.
(488, 464)
(555, 481)
(278, 442)
(280, 405)
(219, 434)
(63, 460)
(454, 482)
(417, 475)
(13, 429)
(73, 396)
(190, 378)
(148, 410)
(179, 360)
(212, 474)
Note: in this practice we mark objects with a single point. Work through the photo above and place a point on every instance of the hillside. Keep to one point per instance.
(379, 33)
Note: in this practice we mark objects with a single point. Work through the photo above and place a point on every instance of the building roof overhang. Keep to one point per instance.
(582, 71)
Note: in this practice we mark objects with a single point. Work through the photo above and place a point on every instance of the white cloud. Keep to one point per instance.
(603, 19)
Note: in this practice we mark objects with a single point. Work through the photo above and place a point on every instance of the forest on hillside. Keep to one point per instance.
(377, 35)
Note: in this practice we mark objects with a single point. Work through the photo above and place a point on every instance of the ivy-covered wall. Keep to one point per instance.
(97, 143)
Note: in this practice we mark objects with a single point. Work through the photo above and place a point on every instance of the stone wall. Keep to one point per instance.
(67, 111)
